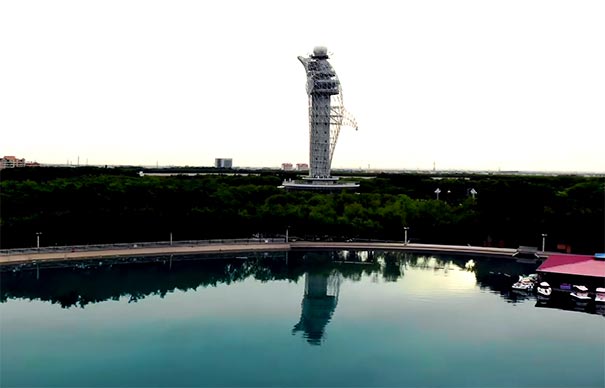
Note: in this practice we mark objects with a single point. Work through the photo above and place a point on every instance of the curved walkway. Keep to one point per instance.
(21, 258)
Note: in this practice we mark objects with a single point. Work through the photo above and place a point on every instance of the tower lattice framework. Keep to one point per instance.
(327, 113)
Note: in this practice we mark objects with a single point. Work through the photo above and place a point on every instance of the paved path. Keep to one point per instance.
(115, 253)
(238, 248)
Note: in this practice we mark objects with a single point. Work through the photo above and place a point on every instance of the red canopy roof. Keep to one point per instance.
(582, 265)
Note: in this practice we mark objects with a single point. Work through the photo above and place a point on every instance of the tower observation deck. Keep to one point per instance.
(326, 116)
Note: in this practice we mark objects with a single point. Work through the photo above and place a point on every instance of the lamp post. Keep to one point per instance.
(287, 231)
(405, 238)
(38, 239)
(543, 241)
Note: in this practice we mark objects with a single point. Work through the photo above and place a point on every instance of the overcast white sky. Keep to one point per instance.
(511, 85)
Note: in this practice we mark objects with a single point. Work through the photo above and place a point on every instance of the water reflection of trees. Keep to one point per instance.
(95, 281)
(498, 274)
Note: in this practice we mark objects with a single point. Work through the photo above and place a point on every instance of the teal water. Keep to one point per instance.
(383, 319)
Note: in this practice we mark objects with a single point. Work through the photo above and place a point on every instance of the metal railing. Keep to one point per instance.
(138, 245)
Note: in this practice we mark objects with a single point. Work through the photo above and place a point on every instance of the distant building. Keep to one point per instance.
(11, 162)
(286, 166)
(223, 163)
(302, 166)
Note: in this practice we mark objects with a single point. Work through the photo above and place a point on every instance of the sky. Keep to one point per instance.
(465, 85)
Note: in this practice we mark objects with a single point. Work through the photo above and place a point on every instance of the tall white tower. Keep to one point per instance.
(326, 116)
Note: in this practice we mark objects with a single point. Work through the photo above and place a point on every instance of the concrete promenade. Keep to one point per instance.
(20, 258)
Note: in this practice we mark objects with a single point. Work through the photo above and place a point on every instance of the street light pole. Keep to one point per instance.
(38, 239)
(543, 241)
(405, 238)
(287, 231)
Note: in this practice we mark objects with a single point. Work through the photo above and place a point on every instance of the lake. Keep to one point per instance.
(296, 319)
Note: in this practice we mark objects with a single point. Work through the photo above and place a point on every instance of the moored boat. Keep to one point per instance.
(544, 291)
(525, 284)
(599, 295)
(599, 301)
(579, 295)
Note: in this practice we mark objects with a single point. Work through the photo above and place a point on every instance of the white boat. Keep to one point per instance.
(544, 290)
(579, 295)
(600, 295)
(524, 284)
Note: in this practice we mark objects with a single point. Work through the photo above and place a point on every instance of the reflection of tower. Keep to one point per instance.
(326, 115)
(318, 305)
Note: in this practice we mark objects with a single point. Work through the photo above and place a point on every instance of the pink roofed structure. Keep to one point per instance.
(562, 271)
(578, 265)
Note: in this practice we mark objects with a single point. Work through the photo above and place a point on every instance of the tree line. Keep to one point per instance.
(89, 205)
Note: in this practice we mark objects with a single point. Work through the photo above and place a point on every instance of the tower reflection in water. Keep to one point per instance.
(318, 305)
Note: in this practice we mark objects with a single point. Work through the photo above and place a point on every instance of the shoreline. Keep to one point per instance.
(24, 258)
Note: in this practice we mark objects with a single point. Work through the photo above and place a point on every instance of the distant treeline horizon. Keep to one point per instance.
(88, 205)
(192, 169)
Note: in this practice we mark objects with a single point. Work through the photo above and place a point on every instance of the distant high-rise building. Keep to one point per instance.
(223, 163)
(286, 166)
(302, 166)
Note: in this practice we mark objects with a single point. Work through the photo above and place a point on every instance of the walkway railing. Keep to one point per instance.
(154, 244)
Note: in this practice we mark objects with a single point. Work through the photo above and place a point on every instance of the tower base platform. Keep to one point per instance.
(319, 184)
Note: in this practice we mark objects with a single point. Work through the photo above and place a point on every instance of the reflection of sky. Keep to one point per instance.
(436, 277)
(430, 328)
(455, 328)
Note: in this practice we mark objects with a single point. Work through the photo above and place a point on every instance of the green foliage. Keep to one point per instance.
(96, 205)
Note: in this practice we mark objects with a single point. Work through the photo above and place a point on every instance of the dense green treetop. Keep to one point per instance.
(95, 205)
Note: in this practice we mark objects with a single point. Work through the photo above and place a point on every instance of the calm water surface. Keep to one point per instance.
(378, 319)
